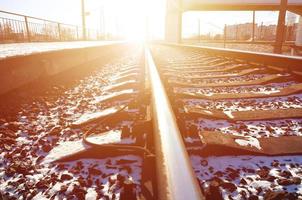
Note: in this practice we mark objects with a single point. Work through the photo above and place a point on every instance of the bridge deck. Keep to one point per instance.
(222, 5)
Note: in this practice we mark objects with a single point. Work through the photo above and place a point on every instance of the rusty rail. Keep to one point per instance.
(175, 175)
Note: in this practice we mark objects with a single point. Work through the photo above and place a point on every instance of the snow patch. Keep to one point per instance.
(64, 149)
(249, 141)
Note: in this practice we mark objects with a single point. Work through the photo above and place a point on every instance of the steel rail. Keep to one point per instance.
(292, 63)
(175, 176)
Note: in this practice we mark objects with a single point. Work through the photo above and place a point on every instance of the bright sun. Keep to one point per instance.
(135, 20)
(131, 19)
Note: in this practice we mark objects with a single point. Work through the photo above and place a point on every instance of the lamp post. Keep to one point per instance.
(253, 33)
(199, 36)
(83, 19)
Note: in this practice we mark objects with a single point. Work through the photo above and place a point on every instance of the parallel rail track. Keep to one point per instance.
(169, 122)
(239, 117)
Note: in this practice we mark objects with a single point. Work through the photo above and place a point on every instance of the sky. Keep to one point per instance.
(57, 10)
(129, 17)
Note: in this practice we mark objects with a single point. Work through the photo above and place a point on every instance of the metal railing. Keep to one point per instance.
(21, 28)
(175, 176)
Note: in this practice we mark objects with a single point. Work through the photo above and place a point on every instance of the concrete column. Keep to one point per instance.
(280, 36)
(299, 33)
(173, 21)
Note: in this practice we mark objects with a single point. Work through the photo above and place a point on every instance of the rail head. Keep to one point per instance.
(175, 175)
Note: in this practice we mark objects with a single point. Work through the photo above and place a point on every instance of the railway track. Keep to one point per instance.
(166, 123)
(83, 138)
(240, 122)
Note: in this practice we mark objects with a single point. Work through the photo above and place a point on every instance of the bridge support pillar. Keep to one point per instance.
(280, 35)
(299, 33)
(173, 21)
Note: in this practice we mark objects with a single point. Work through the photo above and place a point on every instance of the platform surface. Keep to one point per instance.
(16, 49)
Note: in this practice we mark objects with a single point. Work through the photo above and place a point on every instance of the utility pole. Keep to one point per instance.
(83, 19)
(102, 21)
(281, 27)
(261, 28)
(116, 21)
(253, 39)
(225, 36)
(199, 36)
(236, 36)
(148, 35)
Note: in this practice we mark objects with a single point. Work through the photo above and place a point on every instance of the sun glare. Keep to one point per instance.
(131, 20)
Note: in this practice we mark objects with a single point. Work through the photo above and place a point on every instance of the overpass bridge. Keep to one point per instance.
(175, 8)
(239, 5)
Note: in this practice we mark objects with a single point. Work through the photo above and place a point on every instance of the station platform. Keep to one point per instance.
(22, 63)
(18, 49)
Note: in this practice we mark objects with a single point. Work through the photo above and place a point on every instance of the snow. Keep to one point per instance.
(229, 114)
(112, 86)
(34, 177)
(91, 194)
(266, 92)
(56, 188)
(236, 177)
(16, 49)
(101, 98)
(91, 116)
(262, 184)
(247, 168)
(106, 168)
(39, 196)
(249, 141)
(257, 129)
(218, 81)
(64, 149)
(45, 135)
(192, 140)
(112, 136)
(269, 103)
(256, 89)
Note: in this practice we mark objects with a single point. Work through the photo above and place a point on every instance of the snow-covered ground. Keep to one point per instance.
(249, 177)
(269, 103)
(35, 129)
(261, 128)
(255, 89)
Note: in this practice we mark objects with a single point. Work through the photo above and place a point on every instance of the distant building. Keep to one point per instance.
(291, 19)
(244, 32)
(266, 32)
(239, 31)
(299, 33)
